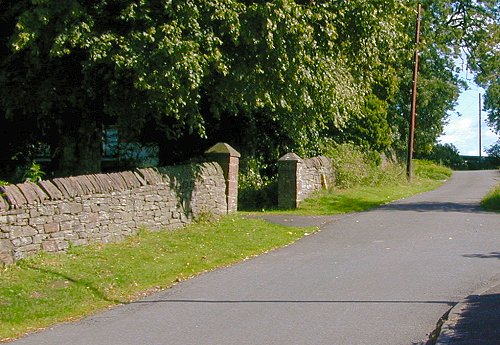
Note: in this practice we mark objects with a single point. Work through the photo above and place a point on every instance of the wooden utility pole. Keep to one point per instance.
(411, 136)
(480, 139)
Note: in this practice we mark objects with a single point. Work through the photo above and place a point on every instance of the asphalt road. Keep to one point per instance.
(379, 277)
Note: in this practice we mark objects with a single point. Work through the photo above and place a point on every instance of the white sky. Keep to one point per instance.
(463, 131)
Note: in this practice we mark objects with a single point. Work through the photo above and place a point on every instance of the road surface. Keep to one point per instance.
(380, 277)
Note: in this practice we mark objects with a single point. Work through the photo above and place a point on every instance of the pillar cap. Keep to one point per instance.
(223, 148)
(290, 157)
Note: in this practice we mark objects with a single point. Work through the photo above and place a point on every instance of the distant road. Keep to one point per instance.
(379, 277)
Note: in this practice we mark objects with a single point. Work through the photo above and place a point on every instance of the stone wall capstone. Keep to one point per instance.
(78, 210)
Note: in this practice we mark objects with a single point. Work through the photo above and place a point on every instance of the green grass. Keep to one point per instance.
(50, 288)
(491, 202)
(359, 198)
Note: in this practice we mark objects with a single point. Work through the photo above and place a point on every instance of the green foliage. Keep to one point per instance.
(186, 68)
(269, 76)
(250, 175)
(446, 154)
(438, 90)
(451, 30)
(256, 191)
(3, 183)
(371, 129)
(34, 173)
(356, 166)
(494, 150)
(483, 56)
(492, 104)
(491, 201)
(429, 170)
(437, 94)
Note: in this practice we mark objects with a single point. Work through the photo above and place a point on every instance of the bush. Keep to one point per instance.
(357, 166)
(430, 170)
(447, 155)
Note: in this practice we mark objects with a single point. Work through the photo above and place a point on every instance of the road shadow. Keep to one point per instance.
(426, 206)
(492, 255)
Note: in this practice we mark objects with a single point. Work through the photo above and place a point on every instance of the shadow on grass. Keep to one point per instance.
(98, 293)
(434, 207)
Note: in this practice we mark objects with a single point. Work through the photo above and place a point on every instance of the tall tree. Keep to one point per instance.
(451, 30)
(268, 76)
(186, 68)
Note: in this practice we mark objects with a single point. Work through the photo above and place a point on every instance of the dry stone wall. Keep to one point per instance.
(55, 214)
(317, 173)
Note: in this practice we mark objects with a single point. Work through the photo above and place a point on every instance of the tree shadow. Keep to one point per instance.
(434, 207)
(181, 180)
(492, 255)
(98, 293)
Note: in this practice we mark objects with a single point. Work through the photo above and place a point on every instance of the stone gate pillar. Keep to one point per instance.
(228, 158)
(289, 181)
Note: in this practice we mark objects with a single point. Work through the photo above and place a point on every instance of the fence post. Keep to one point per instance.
(289, 181)
(228, 158)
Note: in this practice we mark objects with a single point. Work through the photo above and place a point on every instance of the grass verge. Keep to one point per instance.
(51, 288)
(491, 201)
(360, 198)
